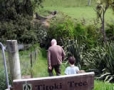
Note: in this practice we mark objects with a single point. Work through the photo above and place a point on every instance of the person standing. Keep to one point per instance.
(72, 69)
(55, 55)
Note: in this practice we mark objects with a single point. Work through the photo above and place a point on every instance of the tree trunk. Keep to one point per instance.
(103, 28)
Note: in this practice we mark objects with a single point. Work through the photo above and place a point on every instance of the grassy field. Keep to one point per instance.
(76, 9)
(68, 3)
(87, 13)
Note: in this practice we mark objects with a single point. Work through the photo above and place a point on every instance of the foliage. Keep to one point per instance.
(15, 20)
(110, 32)
(20, 29)
(3, 83)
(80, 33)
(30, 55)
(2, 79)
(108, 73)
(40, 66)
(73, 48)
(88, 34)
(62, 27)
(94, 59)
(100, 60)
(9, 8)
(99, 85)
(92, 36)
(101, 8)
(41, 33)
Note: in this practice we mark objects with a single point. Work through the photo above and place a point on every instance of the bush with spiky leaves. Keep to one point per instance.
(108, 73)
(94, 59)
(101, 60)
(73, 48)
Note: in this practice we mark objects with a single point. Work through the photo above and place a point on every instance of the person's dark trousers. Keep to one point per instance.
(56, 68)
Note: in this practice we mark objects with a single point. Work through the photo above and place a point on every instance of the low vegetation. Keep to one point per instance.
(77, 31)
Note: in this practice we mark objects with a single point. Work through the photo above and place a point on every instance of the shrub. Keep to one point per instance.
(41, 33)
(19, 29)
(94, 59)
(108, 72)
(3, 85)
(92, 36)
(61, 27)
(80, 32)
(110, 31)
(88, 34)
(73, 48)
(101, 60)
(15, 20)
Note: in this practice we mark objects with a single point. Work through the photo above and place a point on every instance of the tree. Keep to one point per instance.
(8, 8)
(15, 20)
(101, 8)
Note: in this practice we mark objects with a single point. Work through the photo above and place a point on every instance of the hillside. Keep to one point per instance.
(77, 9)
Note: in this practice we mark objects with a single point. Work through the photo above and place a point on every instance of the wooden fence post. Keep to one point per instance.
(14, 61)
(31, 62)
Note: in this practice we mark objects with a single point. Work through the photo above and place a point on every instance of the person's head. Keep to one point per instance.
(71, 60)
(53, 42)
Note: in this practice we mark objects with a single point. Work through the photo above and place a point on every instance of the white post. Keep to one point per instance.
(14, 61)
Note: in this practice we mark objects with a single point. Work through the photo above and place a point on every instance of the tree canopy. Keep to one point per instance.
(101, 8)
(10, 8)
(15, 20)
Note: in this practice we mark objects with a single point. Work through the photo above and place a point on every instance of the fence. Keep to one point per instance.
(3, 68)
(27, 60)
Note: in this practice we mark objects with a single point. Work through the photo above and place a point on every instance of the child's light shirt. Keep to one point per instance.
(71, 70)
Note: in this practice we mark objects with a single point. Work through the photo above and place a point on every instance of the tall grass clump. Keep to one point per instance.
(100, 60)
(94, 59)
(99, 85)
(73, 48)
(108, 71)
(40, 66)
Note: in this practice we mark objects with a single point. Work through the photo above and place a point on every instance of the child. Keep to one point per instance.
(72, 69)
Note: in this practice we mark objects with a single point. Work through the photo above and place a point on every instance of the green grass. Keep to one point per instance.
(99, 85)
(40, 70)
(77, 9)
(40, 66)
(67, 3)
(80, 13)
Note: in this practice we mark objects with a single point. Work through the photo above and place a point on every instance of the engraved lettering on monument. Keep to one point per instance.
(27, 86)
(50, 87)
(73, 82)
